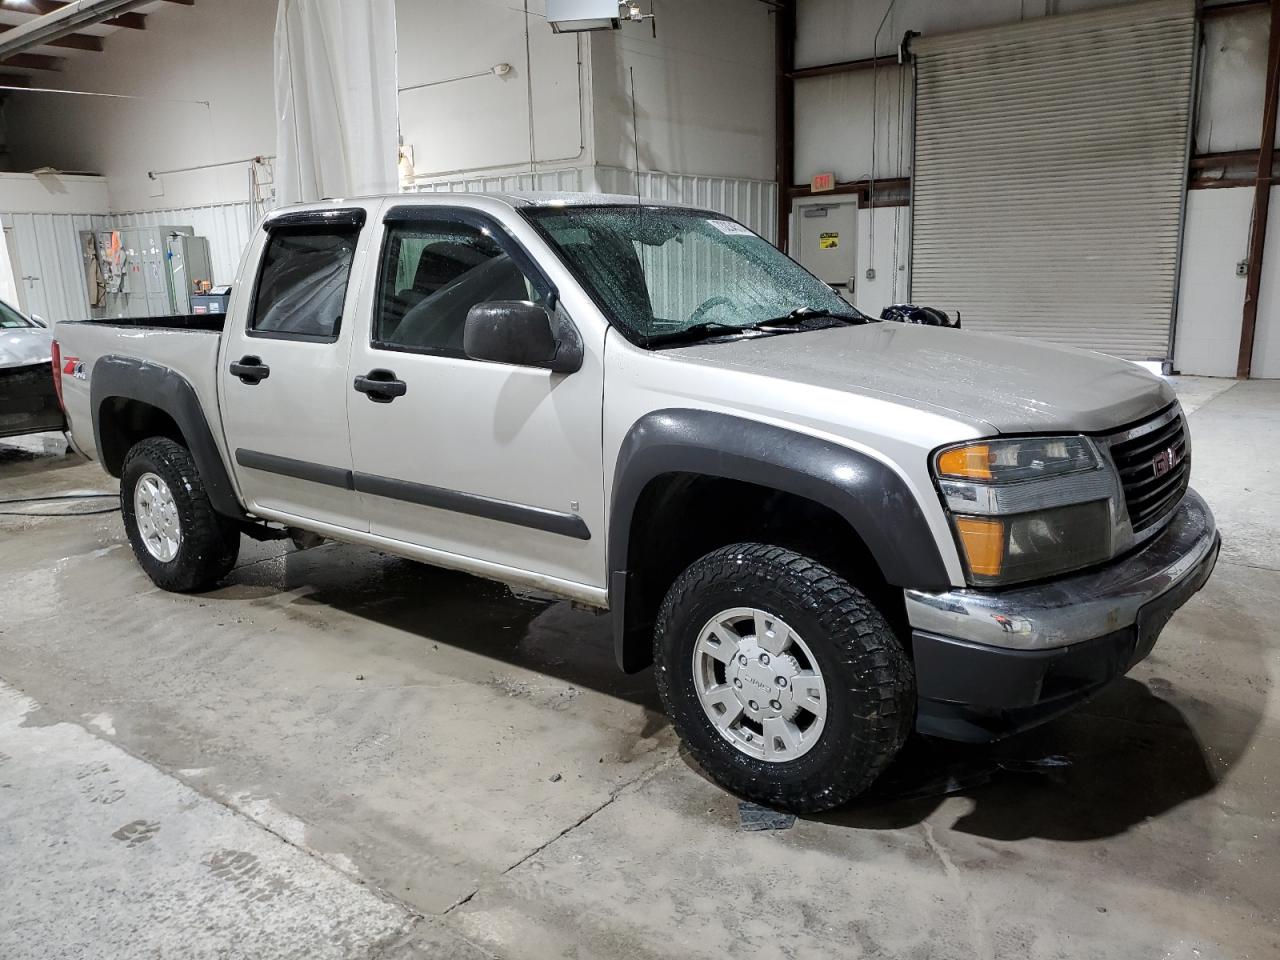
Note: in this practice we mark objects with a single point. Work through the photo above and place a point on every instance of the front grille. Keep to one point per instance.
(1154, 460)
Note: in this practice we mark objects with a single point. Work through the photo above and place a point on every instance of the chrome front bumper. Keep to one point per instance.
(1081, 607)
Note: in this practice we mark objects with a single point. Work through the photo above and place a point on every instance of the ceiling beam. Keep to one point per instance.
(844, 66)
(65, 20)
(32, 61)
(1232, 7)
(72, 41)
(130, 21)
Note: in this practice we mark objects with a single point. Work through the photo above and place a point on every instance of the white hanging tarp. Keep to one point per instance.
(337, 129)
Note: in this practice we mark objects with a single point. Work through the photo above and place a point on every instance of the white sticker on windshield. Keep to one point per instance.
(731, 228)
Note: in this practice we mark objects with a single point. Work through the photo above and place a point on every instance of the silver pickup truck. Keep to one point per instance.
(823, 530)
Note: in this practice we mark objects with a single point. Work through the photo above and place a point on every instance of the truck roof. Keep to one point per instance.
(518, 198)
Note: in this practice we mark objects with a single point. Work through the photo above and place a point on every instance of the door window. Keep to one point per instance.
(302, 283)
(433, 272)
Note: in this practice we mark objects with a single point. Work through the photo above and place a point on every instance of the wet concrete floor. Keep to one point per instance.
(340, 753)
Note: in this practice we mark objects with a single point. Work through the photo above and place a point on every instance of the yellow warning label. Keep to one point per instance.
(828, 241)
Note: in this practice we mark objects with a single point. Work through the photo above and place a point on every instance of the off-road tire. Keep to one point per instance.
(869, 679)
(210, 543)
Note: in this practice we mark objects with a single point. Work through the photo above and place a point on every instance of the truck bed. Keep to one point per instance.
(212, 322)
(186, 345)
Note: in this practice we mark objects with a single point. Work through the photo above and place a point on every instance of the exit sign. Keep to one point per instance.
(822, 182)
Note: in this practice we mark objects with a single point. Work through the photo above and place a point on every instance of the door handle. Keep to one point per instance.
(381, 386)
(250, 370)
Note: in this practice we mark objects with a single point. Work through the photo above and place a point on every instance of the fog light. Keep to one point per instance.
(1030, 546)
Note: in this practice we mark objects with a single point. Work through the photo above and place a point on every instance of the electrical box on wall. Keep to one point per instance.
(144, 271)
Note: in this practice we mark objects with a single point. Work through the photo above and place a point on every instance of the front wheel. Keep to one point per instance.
(178, 538)
(786, 683)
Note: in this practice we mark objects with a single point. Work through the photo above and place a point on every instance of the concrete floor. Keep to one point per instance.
(343, 754)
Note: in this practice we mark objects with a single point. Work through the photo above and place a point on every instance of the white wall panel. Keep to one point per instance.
(1210, 295)
(889, 256)
(1232, 78)
(1266, 344)
(704, 97)
(833, 124)
(483, 121)
(828, 31)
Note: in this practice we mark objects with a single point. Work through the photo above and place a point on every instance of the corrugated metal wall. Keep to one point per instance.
(48, 244)
(571, 179)
(753, 203)
(50, 267)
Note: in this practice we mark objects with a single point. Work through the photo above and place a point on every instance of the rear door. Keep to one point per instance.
(495, 463)
(284, 378)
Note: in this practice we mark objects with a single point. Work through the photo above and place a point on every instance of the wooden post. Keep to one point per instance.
(1261, 199)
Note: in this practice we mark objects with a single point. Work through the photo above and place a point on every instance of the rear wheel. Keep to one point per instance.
(178, 538)
(786, 683)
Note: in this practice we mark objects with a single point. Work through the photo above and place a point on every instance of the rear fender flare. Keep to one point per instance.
(158, 386)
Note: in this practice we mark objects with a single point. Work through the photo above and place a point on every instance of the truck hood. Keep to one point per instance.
(1010, 385)
(24, 346)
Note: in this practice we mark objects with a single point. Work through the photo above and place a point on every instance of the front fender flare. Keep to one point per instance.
(869, 494)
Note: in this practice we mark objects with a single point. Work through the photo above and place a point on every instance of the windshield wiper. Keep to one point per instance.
(792, 322)
(699, 331)
(800, 314)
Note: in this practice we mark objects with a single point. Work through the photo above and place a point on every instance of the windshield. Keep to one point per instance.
(10, 318)
(658, 271)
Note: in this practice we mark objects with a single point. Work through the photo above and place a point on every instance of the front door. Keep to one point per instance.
(824, 241)
(468, 459)
(284, 386)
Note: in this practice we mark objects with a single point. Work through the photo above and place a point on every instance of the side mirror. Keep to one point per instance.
(518, 332)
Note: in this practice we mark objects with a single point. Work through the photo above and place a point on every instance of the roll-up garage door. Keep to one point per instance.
(1050, 170)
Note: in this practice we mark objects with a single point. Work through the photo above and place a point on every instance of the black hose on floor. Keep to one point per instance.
(60, 497)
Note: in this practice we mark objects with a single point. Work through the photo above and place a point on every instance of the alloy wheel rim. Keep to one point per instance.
(759, 684)
(156, 515)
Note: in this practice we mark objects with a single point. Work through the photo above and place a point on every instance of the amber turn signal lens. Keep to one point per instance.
(983, 540)
(972, 462)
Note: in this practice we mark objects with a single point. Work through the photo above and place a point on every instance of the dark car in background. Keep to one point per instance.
(28, 398)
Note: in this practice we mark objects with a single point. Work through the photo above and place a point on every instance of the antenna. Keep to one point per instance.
(635, 131)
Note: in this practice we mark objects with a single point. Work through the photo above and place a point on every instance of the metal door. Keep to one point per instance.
(825, 241)
(1050, 175)
(495, 463)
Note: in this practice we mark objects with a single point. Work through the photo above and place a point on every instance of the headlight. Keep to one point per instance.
(1027, 508)
(1007, 461)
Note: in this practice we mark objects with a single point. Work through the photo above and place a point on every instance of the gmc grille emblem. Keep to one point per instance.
(1164, 461)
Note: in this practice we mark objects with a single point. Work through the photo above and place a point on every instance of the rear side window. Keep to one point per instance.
(302, 283)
